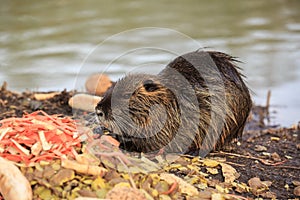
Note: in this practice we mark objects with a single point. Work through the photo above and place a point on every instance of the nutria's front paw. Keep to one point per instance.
(125, 142)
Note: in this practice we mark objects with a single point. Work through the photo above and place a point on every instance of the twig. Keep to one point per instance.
(268, 105)
(266, 162)
(263, 161)
(130, 175)
(4, 86)
(288, 167)
(268, 102)
(236, 164)
(234, 154)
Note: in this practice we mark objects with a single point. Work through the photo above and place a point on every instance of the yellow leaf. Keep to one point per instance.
(222, 189)
(193, 167)
(62, 176)
(123, 184)
(164, 197)
(212, 170)
(241, 187)
(217, 196)
(98, 183)
(126, 176)
(210, 163)
(154, 193)
(184, 187)
(229, 173)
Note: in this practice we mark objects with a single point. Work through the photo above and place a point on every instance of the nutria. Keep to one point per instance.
(199, 102)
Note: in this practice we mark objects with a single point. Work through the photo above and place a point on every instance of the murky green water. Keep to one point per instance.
(48, 45)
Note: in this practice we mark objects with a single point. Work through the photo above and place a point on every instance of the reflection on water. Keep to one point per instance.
(43, 43)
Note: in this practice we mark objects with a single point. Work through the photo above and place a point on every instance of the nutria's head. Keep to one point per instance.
(141, 111)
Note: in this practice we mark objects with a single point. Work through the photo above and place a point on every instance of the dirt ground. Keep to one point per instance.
(270, 153)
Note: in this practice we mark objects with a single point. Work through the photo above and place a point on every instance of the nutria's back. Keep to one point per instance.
(198, 102)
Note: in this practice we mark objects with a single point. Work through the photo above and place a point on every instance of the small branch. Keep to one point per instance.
(234, 154)
(268, 101)
(130, 175)
(288, 167)
(236, 164)
(268, 105)
(263, 161)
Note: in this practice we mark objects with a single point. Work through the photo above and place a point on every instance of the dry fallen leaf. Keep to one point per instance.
(229, 173)
(212, 170)
(62, 176)
(217, 196)
(268, 195)
(221, 189)
(255, 183)
(260, 148)
(275, 157)
(259, 187)
(210, 163)
(241, 187)
(184, 187)
(296, 183)
(206, 194)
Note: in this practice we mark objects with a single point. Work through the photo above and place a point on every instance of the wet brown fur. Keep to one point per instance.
(203, 108)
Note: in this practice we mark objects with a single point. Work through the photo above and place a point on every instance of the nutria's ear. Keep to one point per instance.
(150, 86)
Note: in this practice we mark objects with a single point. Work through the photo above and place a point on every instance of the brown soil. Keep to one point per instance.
(278, 162)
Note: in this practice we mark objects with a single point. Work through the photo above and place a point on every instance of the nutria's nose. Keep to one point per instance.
(100, 113)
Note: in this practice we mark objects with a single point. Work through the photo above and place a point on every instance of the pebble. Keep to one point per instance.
(260, 148)
(97, 84)
(84, 102)
(297, 191)
(275, 157)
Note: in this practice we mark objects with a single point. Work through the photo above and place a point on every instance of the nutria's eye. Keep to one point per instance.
(150, 86)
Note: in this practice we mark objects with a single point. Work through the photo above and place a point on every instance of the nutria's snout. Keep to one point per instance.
(99, 113)
(103, 108)
(102, 116)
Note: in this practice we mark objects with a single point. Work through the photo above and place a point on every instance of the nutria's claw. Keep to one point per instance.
(126, 142)
(104, 129)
